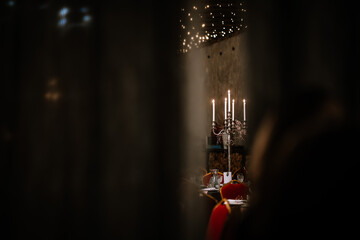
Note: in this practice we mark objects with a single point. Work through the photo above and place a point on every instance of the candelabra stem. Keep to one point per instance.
(229, 152)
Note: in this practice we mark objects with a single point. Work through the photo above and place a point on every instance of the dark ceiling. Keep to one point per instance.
(204, 22)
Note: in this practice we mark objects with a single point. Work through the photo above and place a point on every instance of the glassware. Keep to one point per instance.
(240, 177)
(218, 181)
(214, 182)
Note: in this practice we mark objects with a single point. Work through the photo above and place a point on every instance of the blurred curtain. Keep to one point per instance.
(302, 44)
(89, 120)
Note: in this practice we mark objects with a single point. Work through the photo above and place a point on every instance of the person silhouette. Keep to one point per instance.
(303, 171)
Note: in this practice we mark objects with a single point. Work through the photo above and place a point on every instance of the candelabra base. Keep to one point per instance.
(227, 177)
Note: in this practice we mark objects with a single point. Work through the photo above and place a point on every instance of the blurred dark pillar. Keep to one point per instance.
(302, 43)
(298, 48)
(90, 122)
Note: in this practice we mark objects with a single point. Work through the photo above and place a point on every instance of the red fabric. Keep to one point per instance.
(206, 178)
(216, 222)
(234, 191)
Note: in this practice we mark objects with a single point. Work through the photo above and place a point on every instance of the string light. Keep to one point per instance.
(210, 21)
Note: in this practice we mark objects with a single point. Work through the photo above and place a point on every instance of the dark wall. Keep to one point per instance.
(85, 111)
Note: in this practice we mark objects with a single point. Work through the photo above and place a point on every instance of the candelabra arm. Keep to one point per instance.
(244, 127)
(213, 130)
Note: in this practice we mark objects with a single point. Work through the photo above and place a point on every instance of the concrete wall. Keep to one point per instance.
(210, 72)
(226, 67)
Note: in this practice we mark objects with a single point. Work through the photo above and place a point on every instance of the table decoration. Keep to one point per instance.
(233, 132)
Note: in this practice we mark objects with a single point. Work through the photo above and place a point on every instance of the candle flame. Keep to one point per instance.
(244, 100)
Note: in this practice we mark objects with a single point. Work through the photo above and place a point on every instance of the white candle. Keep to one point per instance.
(229, 100)
(244, 103)
(233, 109)
(225, 107)
(213, 103)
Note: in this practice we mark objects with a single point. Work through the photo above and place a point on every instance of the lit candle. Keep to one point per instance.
(229, 100)
(233, 109)
(213, 103)
(225, 108)
(244, 103)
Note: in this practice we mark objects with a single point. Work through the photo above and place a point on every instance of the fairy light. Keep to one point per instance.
(210, 21)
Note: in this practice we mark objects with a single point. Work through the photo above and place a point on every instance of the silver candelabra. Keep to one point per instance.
(231, 127)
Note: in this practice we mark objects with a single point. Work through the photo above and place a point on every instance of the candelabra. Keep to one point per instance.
(230, 129)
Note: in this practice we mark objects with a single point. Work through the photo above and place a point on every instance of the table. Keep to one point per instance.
(215, 193)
